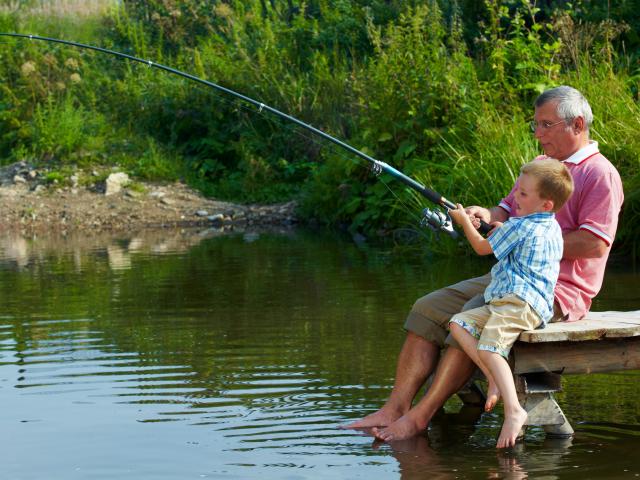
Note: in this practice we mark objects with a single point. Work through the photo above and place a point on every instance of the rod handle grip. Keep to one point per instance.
(484, 227)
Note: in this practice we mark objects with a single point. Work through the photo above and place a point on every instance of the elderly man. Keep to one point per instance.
(589, 220)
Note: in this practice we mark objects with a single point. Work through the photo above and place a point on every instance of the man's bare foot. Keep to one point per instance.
(383, 417)
(493, 395)
(405, 427)
(511, 428)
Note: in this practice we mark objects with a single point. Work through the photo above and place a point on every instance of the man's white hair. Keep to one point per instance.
(571, 104)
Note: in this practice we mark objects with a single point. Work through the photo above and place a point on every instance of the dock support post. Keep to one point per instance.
(535, 392)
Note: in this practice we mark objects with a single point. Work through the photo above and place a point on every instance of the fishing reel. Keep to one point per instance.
(438, 221)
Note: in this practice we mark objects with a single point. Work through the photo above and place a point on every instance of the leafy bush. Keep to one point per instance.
(66, 132)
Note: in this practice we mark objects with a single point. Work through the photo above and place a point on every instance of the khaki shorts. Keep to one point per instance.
(430, 315)
(498, 324)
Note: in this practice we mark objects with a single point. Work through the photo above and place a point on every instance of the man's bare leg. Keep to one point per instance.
(454, 370)
(416, 361)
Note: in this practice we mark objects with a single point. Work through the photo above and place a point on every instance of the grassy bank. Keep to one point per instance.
(442, 90)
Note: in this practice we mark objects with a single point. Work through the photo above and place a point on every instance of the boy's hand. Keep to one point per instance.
(459, 215)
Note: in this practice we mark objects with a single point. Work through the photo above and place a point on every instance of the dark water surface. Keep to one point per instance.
(196, 355)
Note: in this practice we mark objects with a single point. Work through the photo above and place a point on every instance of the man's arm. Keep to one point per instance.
(498, 214)
(583, 244)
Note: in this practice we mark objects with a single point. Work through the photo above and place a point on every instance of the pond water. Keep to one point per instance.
(196, 354)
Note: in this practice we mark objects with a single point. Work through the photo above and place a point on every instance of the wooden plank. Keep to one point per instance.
(595, 326)
(592, 356)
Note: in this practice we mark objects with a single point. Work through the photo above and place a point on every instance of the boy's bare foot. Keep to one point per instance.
(511, 428)
(383, 417)
(493, 395)
(405, 427)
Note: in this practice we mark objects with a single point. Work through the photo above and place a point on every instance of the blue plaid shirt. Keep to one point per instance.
(528, 250)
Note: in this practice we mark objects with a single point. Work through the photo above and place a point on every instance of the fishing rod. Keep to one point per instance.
(437, 219)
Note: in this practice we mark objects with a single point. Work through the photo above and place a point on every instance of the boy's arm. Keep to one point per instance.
(480, 244)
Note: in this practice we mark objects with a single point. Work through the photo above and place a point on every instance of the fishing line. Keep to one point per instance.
(435, 219)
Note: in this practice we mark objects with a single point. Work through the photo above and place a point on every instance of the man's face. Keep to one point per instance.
(555, 136)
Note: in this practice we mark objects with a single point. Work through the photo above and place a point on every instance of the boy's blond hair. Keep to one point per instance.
(554, 180)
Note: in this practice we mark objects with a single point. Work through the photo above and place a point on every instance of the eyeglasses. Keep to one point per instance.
(544, 125)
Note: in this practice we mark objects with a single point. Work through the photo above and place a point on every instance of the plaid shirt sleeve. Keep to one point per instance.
(505, 238)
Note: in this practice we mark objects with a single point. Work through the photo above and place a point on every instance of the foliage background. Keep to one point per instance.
(440, 89)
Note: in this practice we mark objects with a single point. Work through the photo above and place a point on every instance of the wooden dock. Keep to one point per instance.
(601, 342)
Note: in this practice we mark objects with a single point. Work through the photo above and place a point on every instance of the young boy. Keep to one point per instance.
(520, 296)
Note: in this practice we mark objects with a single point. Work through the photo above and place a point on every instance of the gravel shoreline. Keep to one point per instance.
(30, 205)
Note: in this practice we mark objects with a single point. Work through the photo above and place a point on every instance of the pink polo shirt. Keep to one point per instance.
(594, 207)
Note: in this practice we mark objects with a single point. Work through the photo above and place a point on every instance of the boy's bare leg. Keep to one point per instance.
(454, 370)
(514, 415)
(416, 361)
(469, 344)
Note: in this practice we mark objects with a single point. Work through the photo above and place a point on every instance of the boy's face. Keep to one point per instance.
(528, 199)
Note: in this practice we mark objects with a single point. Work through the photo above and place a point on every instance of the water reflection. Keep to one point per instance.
(198, 353)
(446, 452)
(18, 250)
(15, 248)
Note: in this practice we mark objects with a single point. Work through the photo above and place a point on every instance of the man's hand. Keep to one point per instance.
(476, 214)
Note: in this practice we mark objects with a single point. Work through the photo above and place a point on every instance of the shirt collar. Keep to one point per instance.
(583, 153)
(539, 215)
